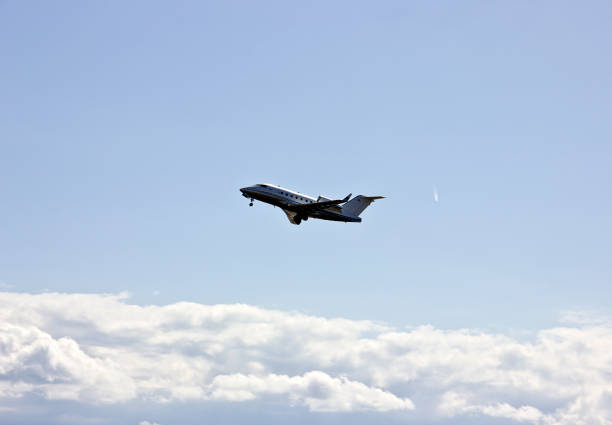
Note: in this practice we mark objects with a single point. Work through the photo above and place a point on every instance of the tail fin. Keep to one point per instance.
(355, 206)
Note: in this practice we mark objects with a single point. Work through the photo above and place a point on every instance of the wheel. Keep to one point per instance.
(298, 220)
(251, 204)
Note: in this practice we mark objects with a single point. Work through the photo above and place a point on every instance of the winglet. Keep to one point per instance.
(347, 197)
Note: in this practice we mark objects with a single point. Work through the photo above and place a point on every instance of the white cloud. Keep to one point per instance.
(100, 349)
(453, 403)
(316, 389)
(147, 423)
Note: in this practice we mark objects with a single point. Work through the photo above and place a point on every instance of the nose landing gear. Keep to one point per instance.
(251, 203)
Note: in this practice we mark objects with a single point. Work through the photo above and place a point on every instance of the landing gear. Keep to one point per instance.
(251, 203)
(297, 220)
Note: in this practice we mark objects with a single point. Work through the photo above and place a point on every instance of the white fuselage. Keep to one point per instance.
(277, 193)
(290, 200)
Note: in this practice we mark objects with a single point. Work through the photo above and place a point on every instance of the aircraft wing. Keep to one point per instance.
(306, 208)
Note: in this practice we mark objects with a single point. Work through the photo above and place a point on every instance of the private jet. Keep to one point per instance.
(300, 207)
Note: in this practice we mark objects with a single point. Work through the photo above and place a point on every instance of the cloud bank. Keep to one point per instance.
(99, 349)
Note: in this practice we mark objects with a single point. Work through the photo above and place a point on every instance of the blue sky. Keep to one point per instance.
(126, 130)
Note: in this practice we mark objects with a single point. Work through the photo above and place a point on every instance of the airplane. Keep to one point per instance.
(300, 207)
